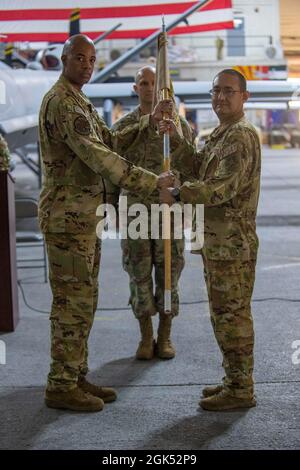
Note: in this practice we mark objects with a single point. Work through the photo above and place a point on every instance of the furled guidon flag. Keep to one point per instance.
(48, 20)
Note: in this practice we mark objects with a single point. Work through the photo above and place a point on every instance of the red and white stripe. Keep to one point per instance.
(48, 20)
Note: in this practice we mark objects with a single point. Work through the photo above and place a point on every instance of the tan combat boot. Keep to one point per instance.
(146, 346)
(75, 399)
(210, 391)
(224, 401)
(165, 348)
(107, 394)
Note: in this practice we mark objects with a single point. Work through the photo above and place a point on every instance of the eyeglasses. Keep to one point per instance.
(227, 92)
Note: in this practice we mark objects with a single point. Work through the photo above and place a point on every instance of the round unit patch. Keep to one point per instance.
(82, 125)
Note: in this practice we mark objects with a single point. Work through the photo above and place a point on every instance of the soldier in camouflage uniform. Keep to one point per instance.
(4, 155)
(141, 256)
(225, 177)
(80, 170)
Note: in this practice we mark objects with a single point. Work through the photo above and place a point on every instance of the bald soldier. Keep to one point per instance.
(80, 170)
(142, 256)
(225, 177)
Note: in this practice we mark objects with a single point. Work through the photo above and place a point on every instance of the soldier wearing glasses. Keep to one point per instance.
(225, 177)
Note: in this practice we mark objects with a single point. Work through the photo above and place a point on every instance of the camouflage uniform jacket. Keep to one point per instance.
(79, 167)
(4, 155)
(147, 150)
(225, 177)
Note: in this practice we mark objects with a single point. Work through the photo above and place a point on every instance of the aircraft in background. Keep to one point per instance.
(21, 92)
(23, 83)
(19, 117)
(49, 58)
(265, 94)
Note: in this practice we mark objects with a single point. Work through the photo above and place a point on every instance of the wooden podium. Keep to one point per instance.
(9, 307)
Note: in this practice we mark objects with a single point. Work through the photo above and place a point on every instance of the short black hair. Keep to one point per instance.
(234, 73)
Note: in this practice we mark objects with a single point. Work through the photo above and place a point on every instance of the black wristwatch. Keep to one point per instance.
(176, 194)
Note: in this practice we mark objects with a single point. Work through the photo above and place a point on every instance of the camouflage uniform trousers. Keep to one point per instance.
(139, 258)
(73, 272)
(230, 286)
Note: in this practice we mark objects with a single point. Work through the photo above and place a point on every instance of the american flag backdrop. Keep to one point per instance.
(48, 20)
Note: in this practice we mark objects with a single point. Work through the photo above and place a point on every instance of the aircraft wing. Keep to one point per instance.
(263, 93)
(21, 93)
(20, 131)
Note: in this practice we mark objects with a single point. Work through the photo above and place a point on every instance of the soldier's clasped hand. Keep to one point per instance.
(168, 125)
(165, 107)
(165, 180)
(165, 196)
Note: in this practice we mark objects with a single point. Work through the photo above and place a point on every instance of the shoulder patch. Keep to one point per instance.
(82, 125)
